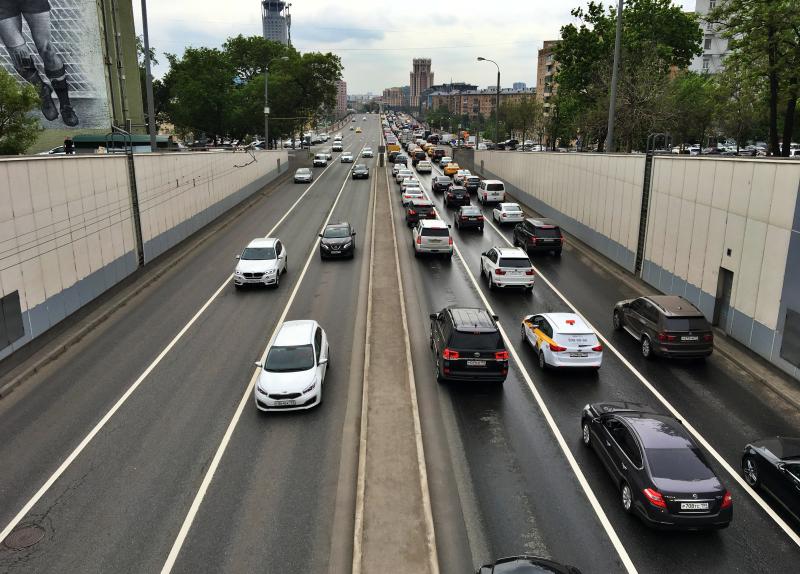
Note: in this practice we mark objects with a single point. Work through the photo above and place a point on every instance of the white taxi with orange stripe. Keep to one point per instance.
(562, 340)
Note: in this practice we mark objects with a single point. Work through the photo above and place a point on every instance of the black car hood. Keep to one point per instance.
(780, 447)
(335, 240)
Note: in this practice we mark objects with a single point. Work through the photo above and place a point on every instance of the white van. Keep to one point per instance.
(491, 190)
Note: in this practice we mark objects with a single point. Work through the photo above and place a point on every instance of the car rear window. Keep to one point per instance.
(678, 464)
(548, 232)
(443, 179)
(435, 232)
(685, 324)
(515, 262)
(470, 211)
(476, 341)
(494, 187)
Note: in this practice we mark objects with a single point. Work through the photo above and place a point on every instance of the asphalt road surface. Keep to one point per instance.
(140, 447)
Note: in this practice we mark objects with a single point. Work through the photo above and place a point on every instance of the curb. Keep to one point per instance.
(137, 288)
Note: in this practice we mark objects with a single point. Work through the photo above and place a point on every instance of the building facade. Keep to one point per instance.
(275, 19)
(546, 69)
(421, 80)
(394, 98)
(715, 47)
(519, 85)
(341, 98)
(474, 103)
(426, 98)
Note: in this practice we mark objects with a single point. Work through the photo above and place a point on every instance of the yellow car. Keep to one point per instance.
(358, 130)
(451, 168)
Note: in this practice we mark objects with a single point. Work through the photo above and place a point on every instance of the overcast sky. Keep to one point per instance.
(377, 39)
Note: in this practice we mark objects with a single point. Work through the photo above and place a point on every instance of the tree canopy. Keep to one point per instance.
(18, 129)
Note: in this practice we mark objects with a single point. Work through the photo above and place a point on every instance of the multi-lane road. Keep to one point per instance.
(141, 448)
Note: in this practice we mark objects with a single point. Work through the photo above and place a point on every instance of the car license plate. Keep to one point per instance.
(578, 355)
(472, 363)
(690, 338)
(473, 219)
(284, 403)
(694, 505)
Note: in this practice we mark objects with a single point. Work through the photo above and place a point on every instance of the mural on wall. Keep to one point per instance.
(55, 45)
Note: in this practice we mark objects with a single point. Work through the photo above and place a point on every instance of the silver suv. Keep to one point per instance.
(432, 236)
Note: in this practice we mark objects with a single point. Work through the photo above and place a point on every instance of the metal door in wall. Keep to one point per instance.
(722, 304)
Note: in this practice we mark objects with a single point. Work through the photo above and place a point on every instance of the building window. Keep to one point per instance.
(706, 63)
(707, 45)
(712, 4)
(710, 26)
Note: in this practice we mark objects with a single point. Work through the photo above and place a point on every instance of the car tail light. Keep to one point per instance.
(501, 355)
(419, 239)
(708, 337)
(727, 500)
(557, 348)
(562, 239)
(412, 212)
(450, 241)
(450, 354)
(463, 217)
(655, 497)
(529, 272)
(598, 348)
(663, 337)
(480, 218)
(499, 272)
(533, 240)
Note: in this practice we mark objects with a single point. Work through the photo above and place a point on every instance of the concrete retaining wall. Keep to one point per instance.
(596, 198)
(181, 193)
(66, 235)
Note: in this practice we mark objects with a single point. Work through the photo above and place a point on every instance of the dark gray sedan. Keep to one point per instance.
(360, 171)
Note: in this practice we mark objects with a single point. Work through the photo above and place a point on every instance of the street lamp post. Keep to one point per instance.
(497, 101)
(612, 105)
(151, 117)
(266, 99)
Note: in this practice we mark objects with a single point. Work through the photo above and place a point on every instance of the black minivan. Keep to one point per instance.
(467, 346)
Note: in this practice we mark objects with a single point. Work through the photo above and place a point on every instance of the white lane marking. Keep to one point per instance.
(663, 400)
(361, 482)
(223, 445)
(126, 395)
(430, 534)
(573, 463)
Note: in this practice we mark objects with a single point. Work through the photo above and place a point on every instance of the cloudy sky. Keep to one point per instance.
(377, 39)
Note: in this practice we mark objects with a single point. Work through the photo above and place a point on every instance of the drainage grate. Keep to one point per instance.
(24, 537)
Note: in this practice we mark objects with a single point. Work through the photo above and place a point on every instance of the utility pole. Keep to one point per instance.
(151, 120)
(266, 99)
(612, 105)
(497, 101)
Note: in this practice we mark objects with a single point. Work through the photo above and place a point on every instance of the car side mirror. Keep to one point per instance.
(354, 234)
(320, 234)
(782, 467)
(323, 361)
(237, 256)
(495, 317)
(259, 364)
(484, 254)
(434, 316)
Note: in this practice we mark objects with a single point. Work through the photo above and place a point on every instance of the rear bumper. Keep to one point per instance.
(543, 248)
(594, 360)
(442, 250)
(674, 351)
(519, 282)
(663, 520)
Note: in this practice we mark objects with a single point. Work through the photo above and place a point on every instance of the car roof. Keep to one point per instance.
(511, 252)
(541, 222)
(492, 181)
(674, 306)
(658, 431)
(509, 204)
(339, 224)
(434, 223)
(784, 448)
(303, 169)
(263, 242)
(469, 207)
(472, 319)
(422, 201)
(567, 323)
(295, 333)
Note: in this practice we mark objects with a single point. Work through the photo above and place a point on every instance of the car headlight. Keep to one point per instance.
(310, 387)
(325, 246)
(269, 272)
(261, 391)
(347, 245)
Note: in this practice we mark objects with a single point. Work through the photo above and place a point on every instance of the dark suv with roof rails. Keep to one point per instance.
(539, 234)
(665, 325)
(467, 346)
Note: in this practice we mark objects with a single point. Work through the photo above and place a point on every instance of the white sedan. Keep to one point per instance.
(346, 157)
(411, 194)
(296, 362)
(508, 213)
(562, 340)
(424, 166)
(409, 182)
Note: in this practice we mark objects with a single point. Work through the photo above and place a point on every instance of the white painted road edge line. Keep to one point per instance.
(430, 534)
(587, 489)
(358, 524)
(246, 397)
(663, 400)
(126, 395)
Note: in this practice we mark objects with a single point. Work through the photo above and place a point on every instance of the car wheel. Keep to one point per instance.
(542, 361)
(481, 271)
(617, 321)
(480, 229)
(557, 253)
(522, 333)
(277, 280)
(647, 348)
(586, 434)
(750, 472)
(439, 377)
(491, 282)
(237, 287)
(416, 253)
(286, 266)
(529, 290)
(626, 497)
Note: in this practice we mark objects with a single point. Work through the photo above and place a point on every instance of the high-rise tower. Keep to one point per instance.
(276, 17)
(421, 79)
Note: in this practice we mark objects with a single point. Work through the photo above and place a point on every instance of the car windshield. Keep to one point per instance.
(477, 341)
(686, 324)
(360, 166)
(515, 262)
(678, 464)
(336, 232)
(289, 359)
(258, 253)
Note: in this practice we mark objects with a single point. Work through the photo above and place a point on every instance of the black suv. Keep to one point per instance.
(456, 196)
(666, 325)
(467, 346)
(337, 240)
(401, 158)
(536, 235)
(441, 183)
(417, 157)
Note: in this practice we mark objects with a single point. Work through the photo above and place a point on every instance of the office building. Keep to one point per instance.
(715, 47)
(421, 80)
(341, 98)
(519, 86)
(473, 103)
(276, 21)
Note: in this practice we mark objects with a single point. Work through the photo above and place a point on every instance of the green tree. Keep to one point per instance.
(18, 129)
(693, 101)
(764, 36)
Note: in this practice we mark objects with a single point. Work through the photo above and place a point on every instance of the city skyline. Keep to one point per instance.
(376, 53)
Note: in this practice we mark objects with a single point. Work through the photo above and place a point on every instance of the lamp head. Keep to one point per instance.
(481, 59)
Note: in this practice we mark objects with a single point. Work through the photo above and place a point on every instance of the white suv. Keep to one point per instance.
(507, 267)
(491, 190)
(337, 146)
(402, 174)
(292, 375)
(320, 160)
(432, 236)
(262, 262)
